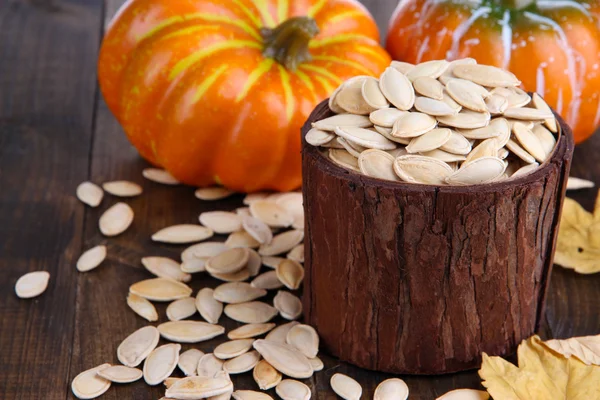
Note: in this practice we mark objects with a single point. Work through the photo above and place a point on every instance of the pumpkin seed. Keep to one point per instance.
(209, 366)
(365, 137)
(160, 289)
(181, 309)
(250, 395)
(457, 144)
(203, 251)
(250, 330)
(396, 87)
(189, 331)
(290, 273)
(497, 127)
(421, 169)
(391, 389)
(193, 266)
(466, 119)
(252, 312)
(496, 104)
(332, 101)
(316, 363)
(213, 193)
(465, 394)
(271, 261)
(345, 387)
(288, 305)
(344, 159)
(290, 389)
(284, 358)
(541, 105)
(227, 262)
(89, 193)
(577, 183)
(402, 66)
(525, 170)
(252, 197)
(120, 374)
(431, 140)
(305, 339)
(385, 117)
(168, 383)
(116, 220)
(271, 214)
(443, 156)
(209, 308)
(142, 307)
(265, 376)
(238, 276)
(329, 124)
(372, 94)
(242, 363)
(517, 98)
(451, 103)
(136, 347)
(532, 114)
(387, 133)
(164, 267)
(429, 87)
(486, 75)
(267, 280)
(161, 363)
(279, 334)
(233, 348)
(91, 258)
(282, 243)
(487, 148)
(254, 263)
(529, 141)
(434, 107)
(88, 385)
(351, 148)
(479, 171)
(188, 361)
(447, 75)
(503, 153)
(196, 387)
(257, 229)
(317, 137)
(519, 151)
(546, 138)
(413, 124)
(296, 254)
(222, 222)
(243, 211)
(433, 69)
(237, 292)
(292, 202)
(159, 176)
(122, 188)
(241, 239)
(350, 96)
(468, 94)
(181, 234)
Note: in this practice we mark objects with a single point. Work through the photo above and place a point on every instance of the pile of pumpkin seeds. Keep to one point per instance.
(437, 123)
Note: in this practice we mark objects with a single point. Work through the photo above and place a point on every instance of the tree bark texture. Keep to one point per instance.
(419, 279)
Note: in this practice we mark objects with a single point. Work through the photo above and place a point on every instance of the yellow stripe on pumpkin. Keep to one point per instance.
(208, 82)
(348, 63)
(346, 37)
(372, 52)
(316, 8)
(287, 91)
(326, 85)
(192, 29)
(254, 76)
(263, 8)
(192, 59)
(307, 82)
(255, 20)
(282, 10)
(344, 15)
(321, 71)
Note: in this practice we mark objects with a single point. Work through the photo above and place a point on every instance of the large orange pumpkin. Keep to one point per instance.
(552, 46)
(216, 91)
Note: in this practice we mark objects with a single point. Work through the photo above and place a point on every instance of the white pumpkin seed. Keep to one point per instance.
(433, 69)
(529, 141)
(32, 284)
(237, 292)
(181, 309)
(517, 98)
(290, 389)
(257, 229)
(541, 105)
(290, 273)
(142, 307)
(344, 159)
(451, 103)
(243, 211)
(365, 137)
(250, 330)
(279, 334)
(377, 164)
(232, 348)
(161, 289)
(413, 124)
(519, 151)
(242, 363)
(316, 363)
(288, 305)
(317, 137)
(546, 138)
(136, 347)
(272, 261)
(333, 103)
(292, 202)
(503, 153)
(196, 387)
(227, 262)
(465, 394)
(431, 140)
(486, 75)
(252, 197)
(159, 176)
(466, 119)
(203, 251)
(525, 113)
(88, 385)
(350, 96)
(161, 363)
(271, 214)
(265, 376)
(350, 147)
(188, 361)
(385, 117)
(189, 331)
(181, 234)
(241, 239)
(345, 387)
(254, 263)
(468, 94)
(193, 266)
(213, 193)
(284, 358)
(457, 144)
(222, 222)
(372, 94)
(267, 280)
(329, 124)
(250, 395)
(447, 75)
(116, 220)
(164, 267)
(296, 254)
(391, 389)
(479, 171)
(435, 107)
(252, 312)
(209, 366)
(122, 188)
(238, 276)
(209, 308)
(89, 193)
(397, 88)
(578, 183)
(496, 104)
(487, 148)
(525, 170)
(443, 156)
(421, 169)
(168, 383)
(120, 374)
(282, 243)
(305, 339)
(497, 127)
(429, 87)
(402, 66)
(91, 258)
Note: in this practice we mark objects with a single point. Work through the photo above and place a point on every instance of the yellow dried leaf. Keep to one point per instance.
(541, 374)
(585, 348)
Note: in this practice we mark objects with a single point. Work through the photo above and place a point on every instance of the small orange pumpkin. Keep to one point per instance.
(552, 46)
(216, 91)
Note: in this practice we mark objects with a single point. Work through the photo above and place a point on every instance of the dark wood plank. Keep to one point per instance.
(47, 91)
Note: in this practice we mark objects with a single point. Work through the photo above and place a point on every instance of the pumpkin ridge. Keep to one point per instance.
(208, 82)
(349, 63)
(251, 16)
(254, 76)
(266, 17)
(288, 92)
(282, 10)
(314, 10)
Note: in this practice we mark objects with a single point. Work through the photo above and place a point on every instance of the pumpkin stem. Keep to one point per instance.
(287, 43)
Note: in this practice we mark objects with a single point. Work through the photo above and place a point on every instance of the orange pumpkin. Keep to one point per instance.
(216, 91)
(552, 46)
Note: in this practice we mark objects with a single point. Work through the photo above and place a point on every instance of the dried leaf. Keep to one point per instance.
(585, 348)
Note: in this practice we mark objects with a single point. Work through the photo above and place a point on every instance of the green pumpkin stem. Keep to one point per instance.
(287, 43)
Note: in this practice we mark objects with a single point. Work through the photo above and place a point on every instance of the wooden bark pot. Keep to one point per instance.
(420, 279)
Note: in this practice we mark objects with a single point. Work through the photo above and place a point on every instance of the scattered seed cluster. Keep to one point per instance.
(437, 123)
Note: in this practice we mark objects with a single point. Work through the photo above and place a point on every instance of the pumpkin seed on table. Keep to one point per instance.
(250, 395)
(116, 220)
(142, 307)
(288, 305)
(159, 176)
(257, 229)
(120, 374)
(316, 363)
(265, 376)
(209, 308)
(227, 262)
(169, 382)
(88, 385)
(222, 222)
(267, 280)
(272, 261)
(213, 193)
(243, 211)
(250, 330)
(233, 348)
(305, 339)
(330, 123)
(391, 389)
(137, 346)
(122, 188)
(188, 361)
(181, 309)
(161, 363)
(209, 365)
(429, 87)
(290, 273)
(160, 289)
(193, 266)
(204, 251)
(238, 276)
(164, 267)
(284, 358)
(578, 183)
(181, 234)
(282, 243)
(252, 312)
(344, 159)
(189, 331)
(279, 334)
(290, 389)
(89, 193)
(271, 214)
(421, 169)
(197, 387)
(465, 394)
(32, 284)
(91, 258)
(345, 387)
(297, 253)
(237, 292)
(376, 164)
(479, 171)
(372, 94)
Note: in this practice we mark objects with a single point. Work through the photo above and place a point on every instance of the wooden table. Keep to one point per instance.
(55, 132)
